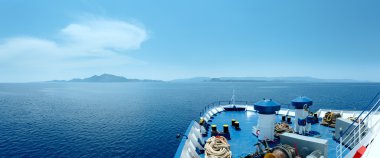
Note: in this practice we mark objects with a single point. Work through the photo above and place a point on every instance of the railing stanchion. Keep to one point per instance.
(360, 128)
(340, 147)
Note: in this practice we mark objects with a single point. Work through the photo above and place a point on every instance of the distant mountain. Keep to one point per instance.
(114, 78)
(106, 78)
(236, 79)
(265, 79)
(194, 79)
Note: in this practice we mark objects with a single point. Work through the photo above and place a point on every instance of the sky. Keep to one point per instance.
(44, 40)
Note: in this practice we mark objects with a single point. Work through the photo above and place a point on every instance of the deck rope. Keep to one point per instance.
(217, 147)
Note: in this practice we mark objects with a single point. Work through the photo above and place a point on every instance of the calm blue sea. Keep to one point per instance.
(134, 119)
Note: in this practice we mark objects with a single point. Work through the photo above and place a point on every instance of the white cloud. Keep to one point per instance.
(88, 46)
(102, 34)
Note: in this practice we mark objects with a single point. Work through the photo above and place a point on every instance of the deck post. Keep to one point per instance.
(340, 147)
(360, 133)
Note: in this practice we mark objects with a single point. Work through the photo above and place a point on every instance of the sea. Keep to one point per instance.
(136, 119)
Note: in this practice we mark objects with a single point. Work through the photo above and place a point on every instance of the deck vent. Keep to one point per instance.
(301, 104)
(267, 117)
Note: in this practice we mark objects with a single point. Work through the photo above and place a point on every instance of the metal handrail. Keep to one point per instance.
(374, 102)
(357, 134)
(353, 140)
(223, 102)
(370, 103)
(362, 120)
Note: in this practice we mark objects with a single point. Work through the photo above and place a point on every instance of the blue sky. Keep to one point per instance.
(45, 40)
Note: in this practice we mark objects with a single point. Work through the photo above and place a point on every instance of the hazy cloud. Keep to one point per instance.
(89, 45)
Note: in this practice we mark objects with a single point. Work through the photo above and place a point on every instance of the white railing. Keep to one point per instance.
(356, 136)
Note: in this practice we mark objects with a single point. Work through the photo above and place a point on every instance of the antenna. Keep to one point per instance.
(233, 97)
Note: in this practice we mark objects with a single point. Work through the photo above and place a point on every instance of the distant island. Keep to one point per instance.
(266, 79)
(113, 78)
(106, 78)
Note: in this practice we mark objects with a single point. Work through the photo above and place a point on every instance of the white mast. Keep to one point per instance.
(233, 97)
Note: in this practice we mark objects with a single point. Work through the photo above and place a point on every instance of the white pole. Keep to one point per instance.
(360, 122)
(233, 96)
(340, 147)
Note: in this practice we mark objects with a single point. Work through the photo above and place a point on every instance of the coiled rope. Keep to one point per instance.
(217, 147)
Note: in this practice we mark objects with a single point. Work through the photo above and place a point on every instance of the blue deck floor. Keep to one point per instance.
(242, 142)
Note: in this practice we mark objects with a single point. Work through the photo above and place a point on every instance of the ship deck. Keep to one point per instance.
(242, 142)
(353, 135)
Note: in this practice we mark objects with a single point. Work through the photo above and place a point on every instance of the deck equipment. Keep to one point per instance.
(267, 116)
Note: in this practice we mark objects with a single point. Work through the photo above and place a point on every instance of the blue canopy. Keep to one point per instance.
(300, 102)
(267, 106)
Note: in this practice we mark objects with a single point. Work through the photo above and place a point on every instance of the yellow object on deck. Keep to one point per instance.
(213, 128)
(269, 155)
(237, 126)
(225, 128)
(201, 121)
